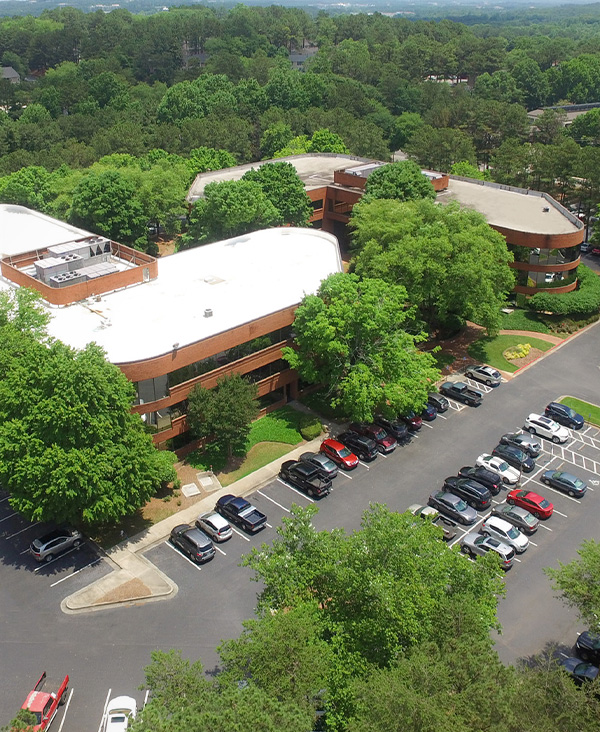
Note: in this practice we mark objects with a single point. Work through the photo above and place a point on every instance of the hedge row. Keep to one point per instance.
(583, 301)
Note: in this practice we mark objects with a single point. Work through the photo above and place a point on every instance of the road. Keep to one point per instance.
(107, 650)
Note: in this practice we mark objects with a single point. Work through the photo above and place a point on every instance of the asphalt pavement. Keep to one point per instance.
(105, 648)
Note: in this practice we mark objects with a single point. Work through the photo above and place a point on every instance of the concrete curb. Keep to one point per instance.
(128, 556)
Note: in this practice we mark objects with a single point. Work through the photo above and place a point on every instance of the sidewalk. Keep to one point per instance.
(134, 578)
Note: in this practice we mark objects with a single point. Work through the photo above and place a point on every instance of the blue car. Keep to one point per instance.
(429, 413)
(565, 482)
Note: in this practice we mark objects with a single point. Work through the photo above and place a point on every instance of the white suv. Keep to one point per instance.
(537, 424)
(505, 532)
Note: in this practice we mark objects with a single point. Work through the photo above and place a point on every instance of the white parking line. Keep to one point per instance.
(427, 425)
(218, 548)
(272, 501)
(239, 533)
(60, 556)
(291, 487)
(441, 416)
(366, 466)
(558, 493)
(532, 543)
(4, 499)
(517, 560)
(62, 721)
(383, 455)
(182, 555)
(268, 524)
(146, 698)
(543, 526)
(24, 552)
(77, 571)
(104, 710)
(22, 530)
(564, 515)
(10, 515)
(345, 475)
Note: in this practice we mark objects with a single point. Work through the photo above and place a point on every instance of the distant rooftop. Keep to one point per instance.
(511, 208)
(316, 170)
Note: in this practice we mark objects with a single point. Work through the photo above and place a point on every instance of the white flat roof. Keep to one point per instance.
(510, 209)
(315, 170)
(239, 279)
(24, 230)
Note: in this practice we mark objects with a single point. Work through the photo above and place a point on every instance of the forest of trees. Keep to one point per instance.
(153, 100)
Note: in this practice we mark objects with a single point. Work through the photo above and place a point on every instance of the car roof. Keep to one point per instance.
(335, 444)
(122, 703)
(54, 534)
(215, 518)
(499, 522)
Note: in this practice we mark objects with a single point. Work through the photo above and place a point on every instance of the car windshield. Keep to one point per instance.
(460, 505)
(529, 519)
(578, 483)
(571, 412)
(544, 503)
(513, 533)
(344, 452)
(502, 465)
(379, 434)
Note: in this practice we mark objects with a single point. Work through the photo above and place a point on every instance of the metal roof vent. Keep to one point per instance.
(208, 313)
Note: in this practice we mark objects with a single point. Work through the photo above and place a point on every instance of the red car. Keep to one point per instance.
(339, 454)
(538, 506)
(412, 421)
(44, 704)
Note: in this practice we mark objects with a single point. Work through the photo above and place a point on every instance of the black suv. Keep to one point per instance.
(564, 415)
(514, 456)
(193, 542)
(394, 427)
(306, 477)
(491, 481)
(475, 494)
(363, 447)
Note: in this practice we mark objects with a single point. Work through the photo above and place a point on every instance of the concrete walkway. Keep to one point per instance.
(532, 334)
(134, 578)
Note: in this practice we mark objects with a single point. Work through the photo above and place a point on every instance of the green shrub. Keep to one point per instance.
(310, 428)
(584, 301)
(519, 351)
(451, 325)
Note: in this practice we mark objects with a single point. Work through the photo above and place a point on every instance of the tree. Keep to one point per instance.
(351, 337)
(439, 148)
(401, 181)
(406, 126)
(466, 170)
(106, 204)
(284, 188)
(578, 582)
(224, 413)
(382, 591)
(182, 698)
(70, 448)
(24, 721)
(203, 159)
(451, 262)
(27, 187)
(228, 209)
(276, 137)
(585, 129)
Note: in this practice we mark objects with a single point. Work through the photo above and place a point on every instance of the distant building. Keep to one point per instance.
(11, 75)
(572, 111)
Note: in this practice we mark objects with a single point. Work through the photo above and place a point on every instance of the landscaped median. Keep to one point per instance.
(497, 350)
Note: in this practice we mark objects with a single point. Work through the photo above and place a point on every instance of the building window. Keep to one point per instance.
(230, 356)
(151, 390)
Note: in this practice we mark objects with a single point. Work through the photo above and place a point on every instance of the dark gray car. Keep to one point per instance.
(454, 507)
(517, 516)
(193, 542)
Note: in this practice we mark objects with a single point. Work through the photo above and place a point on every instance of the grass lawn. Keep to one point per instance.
(490, 349)
(270, 437)
(590, 412)
(523, 320)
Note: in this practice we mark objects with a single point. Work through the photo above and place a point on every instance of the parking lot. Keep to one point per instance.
(108, 650)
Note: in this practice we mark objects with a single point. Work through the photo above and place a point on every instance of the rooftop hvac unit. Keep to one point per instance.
(208, 313)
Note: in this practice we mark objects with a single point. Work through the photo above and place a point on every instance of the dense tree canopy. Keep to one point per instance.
(352, 336)
(451, 263)
(70, 448)
(284, 188)
(401, 181)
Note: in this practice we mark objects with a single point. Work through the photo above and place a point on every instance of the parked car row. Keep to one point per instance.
(583, 668)
(505, 530)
